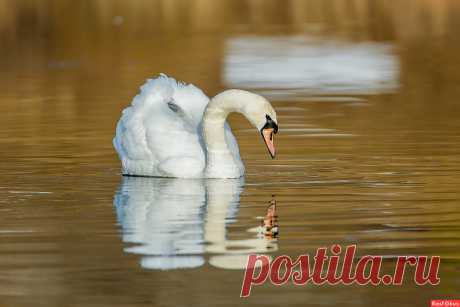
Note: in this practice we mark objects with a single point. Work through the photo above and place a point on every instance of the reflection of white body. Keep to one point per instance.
(173, 222)
(173, 130)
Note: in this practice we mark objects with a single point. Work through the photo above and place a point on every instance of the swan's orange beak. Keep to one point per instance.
(268, 135)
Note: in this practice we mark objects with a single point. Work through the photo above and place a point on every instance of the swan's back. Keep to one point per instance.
(158, 134)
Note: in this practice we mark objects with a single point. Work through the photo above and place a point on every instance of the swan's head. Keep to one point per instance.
(254, 107)
(262, 115)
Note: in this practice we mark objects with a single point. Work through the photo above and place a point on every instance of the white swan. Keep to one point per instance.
(172, 129)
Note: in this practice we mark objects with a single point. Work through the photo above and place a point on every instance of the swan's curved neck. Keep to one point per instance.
(220, 161)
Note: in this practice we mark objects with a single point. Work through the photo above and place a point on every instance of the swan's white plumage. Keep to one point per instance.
(156, 139)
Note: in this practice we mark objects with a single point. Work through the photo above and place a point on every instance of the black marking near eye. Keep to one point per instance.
(270, 124)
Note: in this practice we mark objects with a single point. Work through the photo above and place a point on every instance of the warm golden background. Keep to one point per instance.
(380, 169)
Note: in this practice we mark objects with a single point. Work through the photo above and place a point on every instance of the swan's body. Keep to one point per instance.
(174, 130)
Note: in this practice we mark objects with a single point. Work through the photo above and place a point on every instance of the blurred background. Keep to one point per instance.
(367, 95)
(55, 47)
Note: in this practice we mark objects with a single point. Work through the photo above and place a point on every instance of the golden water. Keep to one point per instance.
(379, 169)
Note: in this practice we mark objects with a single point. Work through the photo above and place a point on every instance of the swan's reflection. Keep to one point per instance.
(174, 222)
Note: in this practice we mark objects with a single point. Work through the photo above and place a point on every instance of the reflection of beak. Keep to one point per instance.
(268, 135)
(270, 221)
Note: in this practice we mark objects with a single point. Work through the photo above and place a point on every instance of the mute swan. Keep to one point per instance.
(172, 129)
